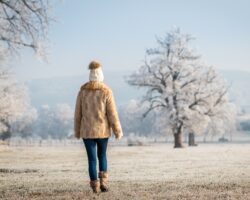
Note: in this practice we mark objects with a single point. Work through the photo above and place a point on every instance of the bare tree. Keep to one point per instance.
(223, 122)
(13, 102)
(24, 23)
(179, 84)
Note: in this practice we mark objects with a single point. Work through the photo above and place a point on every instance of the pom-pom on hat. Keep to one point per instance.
(94, 64)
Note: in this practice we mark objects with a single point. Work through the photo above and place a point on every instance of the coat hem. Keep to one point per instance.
(95, 137)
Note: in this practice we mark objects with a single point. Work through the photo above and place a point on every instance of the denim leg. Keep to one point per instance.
(102, 144)
(90, 145)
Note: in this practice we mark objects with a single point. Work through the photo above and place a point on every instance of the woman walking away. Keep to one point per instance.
(95, 116)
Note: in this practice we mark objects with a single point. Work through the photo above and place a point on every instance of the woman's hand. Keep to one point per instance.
(118, 137)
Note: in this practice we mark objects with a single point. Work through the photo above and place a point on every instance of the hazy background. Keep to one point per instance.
(118, 32)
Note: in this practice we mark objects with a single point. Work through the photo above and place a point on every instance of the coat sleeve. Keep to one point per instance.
(112, 115)
(78, 115)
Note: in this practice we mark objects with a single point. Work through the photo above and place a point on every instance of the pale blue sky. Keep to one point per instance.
(118, 32)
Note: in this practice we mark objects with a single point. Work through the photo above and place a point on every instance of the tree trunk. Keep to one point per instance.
(191, 139)
(178, 140)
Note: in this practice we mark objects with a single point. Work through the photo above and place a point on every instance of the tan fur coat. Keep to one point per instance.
(95, 112)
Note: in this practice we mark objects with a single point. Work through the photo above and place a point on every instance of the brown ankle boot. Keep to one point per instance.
(95, 185)
(103, 181)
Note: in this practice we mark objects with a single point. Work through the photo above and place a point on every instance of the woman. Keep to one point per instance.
(95, 116)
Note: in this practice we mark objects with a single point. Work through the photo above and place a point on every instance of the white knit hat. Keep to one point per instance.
(96, 73)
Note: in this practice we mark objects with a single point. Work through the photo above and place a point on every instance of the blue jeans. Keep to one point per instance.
(90, 145)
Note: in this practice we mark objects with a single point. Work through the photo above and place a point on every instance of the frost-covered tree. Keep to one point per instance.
(179, 84)
(13, 101)
(56, 123)
(63, 120)
(223, 122)
(24, 23)
(24, 126)
(160, 126)
(44, 122)
(131, 118)
(214, 102)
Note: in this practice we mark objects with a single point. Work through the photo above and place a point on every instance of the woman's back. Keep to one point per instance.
(96, 112)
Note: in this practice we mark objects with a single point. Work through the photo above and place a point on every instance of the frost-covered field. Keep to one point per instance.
(142, 172)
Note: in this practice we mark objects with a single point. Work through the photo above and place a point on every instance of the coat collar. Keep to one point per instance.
(93, 85)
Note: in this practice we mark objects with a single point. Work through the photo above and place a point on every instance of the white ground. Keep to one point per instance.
(141, 172)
